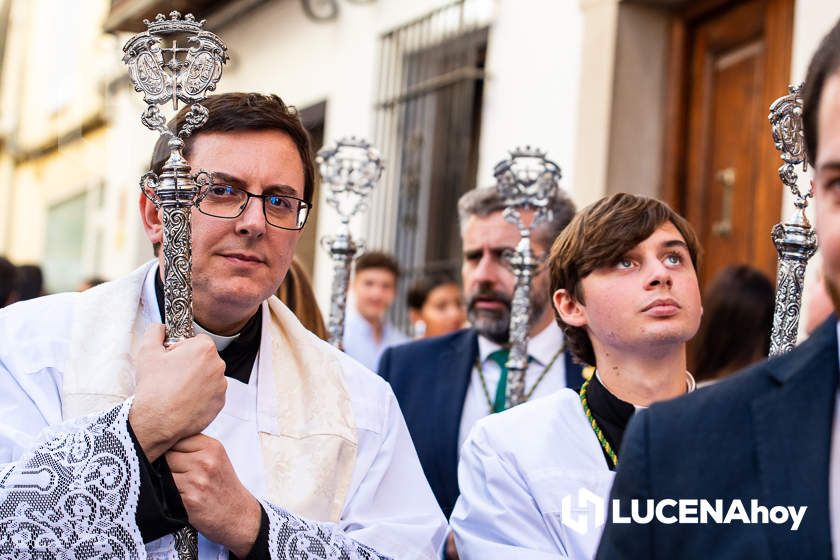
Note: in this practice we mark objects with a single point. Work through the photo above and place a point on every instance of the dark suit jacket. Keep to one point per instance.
(430, 379)
(764, 434)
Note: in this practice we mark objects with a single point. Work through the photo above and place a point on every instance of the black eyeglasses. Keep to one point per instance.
(226, 201)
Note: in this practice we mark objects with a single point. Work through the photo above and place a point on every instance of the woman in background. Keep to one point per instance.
(435, 306)
(297, 293)
(737, 320)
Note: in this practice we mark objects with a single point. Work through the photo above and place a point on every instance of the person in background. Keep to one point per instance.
(446, 384)
(8, 281)
(367, 332)
(90, 282)
(738, 306)
(30, 282)
(296, 292)
(435, 305)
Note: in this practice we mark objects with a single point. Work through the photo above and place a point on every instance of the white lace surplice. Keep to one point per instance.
(75, 496)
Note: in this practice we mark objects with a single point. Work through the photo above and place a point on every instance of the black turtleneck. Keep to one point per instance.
(160, 510)
(611, 413)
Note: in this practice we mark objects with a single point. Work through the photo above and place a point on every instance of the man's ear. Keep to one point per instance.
(150, 216)
(570, 310)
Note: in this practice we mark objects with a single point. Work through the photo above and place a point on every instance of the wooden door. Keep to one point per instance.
(735, 60)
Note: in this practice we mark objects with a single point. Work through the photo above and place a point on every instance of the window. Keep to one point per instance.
(427, 126)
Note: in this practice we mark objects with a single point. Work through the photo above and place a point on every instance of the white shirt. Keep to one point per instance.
(542, 348)
(360, 342)
(533, 480)
(389, 505)
(834, 475)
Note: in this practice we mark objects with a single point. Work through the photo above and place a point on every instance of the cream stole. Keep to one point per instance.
(309, 449)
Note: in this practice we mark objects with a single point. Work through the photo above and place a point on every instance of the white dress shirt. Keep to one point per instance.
(360, 342)
(834, 475)
(542, 348)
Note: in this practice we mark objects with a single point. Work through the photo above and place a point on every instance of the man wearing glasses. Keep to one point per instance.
(269, 441)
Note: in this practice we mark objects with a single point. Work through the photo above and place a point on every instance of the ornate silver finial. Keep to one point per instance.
(174, 73)
(795, 240)
(528, 180)
(350, 169)
(789, 138)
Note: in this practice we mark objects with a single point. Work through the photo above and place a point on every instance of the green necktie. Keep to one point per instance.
(501, 357)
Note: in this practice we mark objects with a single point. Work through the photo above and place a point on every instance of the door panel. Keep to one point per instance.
(726, 183)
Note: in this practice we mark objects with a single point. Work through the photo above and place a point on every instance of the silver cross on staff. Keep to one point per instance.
(527, 181)
(188, 75)
(350, 169)
(795, 240)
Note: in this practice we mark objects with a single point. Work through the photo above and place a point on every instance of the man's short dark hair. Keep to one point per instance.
(599, 236)
(824, 64)
(485, 201)
(238, 112)
(378, 259)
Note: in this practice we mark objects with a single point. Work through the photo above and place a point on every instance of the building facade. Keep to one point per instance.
(666, 98)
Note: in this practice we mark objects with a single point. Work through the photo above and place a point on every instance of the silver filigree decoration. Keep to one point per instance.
(290, 536)
(171, 73)
(527, 181)
(350, 169)
(795, 240)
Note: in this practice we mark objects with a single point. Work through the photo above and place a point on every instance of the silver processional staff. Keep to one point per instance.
(795, 240)
(350, 169)
(164, 74)
(527, 182)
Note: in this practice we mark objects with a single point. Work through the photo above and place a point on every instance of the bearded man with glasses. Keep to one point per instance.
(266, 438)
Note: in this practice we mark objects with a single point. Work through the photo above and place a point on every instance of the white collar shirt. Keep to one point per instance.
(542, 349)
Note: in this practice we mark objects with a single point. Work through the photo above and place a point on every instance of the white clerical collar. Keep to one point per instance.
(150, 298)
(542, 347)
(220, 341)
(838, 340)
(690, 383)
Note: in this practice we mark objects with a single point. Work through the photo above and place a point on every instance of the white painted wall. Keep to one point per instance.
(532, 92)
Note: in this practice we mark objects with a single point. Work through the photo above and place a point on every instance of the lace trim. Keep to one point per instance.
(291, 537)
(74, 495)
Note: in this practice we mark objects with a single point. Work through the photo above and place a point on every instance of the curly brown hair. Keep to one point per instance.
(600, 235)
